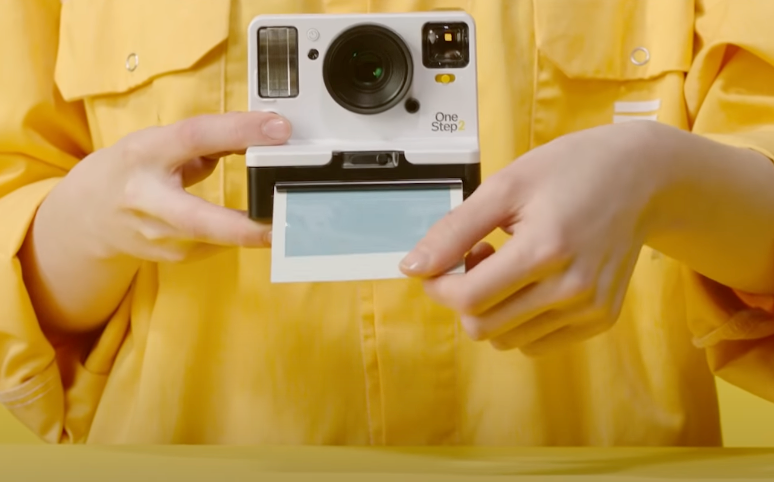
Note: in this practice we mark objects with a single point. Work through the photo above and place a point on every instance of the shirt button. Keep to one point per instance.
(640, 56)
(132, 61)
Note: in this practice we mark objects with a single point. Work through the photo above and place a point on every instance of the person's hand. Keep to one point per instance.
(578, 210)
(129, 199)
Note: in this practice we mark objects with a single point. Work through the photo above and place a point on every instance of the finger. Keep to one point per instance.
(447, 241)
(173, 145)
(563, 338)
(547, 324)
(178, 251)
(592, 311)
(522, 261)
(596, 320)
(480, 252)
(547, 295)
(197, 170)
(219, 155)
(269, 237)
(535, 329)
(195, 219)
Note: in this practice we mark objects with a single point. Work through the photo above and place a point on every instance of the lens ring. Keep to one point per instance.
(368, 69)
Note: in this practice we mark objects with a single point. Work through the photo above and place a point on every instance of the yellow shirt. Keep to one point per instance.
(211, 352)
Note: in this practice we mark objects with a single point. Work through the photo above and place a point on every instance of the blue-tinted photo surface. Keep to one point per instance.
(329, 223)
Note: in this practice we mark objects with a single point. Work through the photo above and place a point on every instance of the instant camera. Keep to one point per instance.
(374, 100)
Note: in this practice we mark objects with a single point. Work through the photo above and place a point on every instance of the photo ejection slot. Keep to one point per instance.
(370, 160)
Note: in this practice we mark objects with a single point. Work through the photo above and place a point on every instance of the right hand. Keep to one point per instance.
(128, 200)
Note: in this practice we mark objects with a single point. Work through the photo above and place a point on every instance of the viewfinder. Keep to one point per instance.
(445, 45)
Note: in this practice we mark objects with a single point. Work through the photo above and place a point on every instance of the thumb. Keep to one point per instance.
(452, 237)
(173, 145)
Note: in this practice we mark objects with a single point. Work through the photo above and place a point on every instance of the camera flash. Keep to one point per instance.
(277, 62)
(447, 36)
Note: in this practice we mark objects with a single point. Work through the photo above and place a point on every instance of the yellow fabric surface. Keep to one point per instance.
(206, 463)
(211, 352)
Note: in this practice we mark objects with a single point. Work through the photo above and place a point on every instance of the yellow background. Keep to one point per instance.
(748, 421)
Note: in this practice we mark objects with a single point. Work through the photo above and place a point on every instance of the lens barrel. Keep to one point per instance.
(368, 69)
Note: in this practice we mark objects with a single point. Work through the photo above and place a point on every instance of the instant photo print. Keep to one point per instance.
(385, 137)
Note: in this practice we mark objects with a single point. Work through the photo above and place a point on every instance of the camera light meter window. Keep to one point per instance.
(277, 62)
(445, 45)
(368, 69)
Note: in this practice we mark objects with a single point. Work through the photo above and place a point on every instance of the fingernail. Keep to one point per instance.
(414, 262)
(267, 238)
(277, 129)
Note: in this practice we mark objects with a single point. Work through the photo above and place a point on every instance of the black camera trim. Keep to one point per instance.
(262, 180)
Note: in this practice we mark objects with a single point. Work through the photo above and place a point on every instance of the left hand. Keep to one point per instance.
(578, 209)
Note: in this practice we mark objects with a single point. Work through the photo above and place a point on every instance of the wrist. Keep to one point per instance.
(70, 286)
(710, 206)
(665, 165)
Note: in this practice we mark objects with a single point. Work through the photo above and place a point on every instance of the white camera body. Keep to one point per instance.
(372, 98)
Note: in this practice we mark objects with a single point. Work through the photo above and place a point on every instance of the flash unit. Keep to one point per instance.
(278, 67)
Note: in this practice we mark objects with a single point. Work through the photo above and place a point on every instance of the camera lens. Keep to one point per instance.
(368, 69)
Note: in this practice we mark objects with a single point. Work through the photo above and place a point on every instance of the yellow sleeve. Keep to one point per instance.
(41, 137)
(730, 96)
